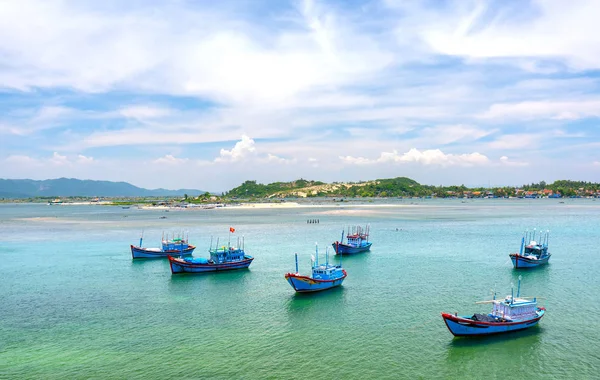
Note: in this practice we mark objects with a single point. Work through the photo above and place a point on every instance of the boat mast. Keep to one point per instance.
(296, 255)
(141, 238)
(522, 244)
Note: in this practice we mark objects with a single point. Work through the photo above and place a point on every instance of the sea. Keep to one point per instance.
(74, 305)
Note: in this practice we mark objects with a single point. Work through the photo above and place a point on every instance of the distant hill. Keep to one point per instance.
(391, 187)
(71, 187)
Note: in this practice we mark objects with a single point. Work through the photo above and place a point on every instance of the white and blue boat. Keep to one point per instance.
(221, 259)
(176, 246)
(357, 241)
(508, 314)
(324, 276)
(533, 254)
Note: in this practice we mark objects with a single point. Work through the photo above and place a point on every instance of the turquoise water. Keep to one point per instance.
(74, 304)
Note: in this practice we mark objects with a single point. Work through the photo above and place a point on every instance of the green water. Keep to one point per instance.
(74, 304)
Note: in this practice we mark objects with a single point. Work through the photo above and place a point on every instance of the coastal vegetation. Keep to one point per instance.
(405, 187)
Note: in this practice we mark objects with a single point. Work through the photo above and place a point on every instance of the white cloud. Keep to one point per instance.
(58, 159)
(170, 160)
(516, 141)
(493, 30)
(182, 50)
(504, 160)
(596, 163)
(559, 110)
(21, 160)
(279, 160)
(84, 159)
(144, 112)
(242, 150)
(446, 134)
(426, 157)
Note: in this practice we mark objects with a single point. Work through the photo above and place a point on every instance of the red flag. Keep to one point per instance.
(231, 229)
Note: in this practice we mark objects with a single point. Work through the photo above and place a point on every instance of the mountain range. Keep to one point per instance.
(71, 187)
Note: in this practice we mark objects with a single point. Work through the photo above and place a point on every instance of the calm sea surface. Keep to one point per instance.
(73, 304)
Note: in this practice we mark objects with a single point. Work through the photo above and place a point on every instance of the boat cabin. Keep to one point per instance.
(535, 249)
(226, 255)
(174, 244)
(327, 272)
(514, 309)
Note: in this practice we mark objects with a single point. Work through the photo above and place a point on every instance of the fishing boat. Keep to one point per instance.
(221, 259)
(533, 254)
(357, 241)
(176, 246)
(323, 277)
(508, 314)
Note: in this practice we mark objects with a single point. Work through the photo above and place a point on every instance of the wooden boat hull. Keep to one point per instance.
(305, 284)
(181, 266)
(465, 326)
(149, 253)
(520, 261)
(346, 249)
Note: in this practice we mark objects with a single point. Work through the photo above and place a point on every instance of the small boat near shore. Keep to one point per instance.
(176, 246)
(508, 314)
(533, 254)
(221, 259)
(357, 241)
(323, 277)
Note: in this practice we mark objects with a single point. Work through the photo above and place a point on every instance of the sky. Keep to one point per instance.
(209, 94)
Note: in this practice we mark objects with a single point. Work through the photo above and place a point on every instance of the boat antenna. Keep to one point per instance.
(296, 255)
(317, 254)
(519, 286)
(211, 238)
(141, 238)
(326, 256)
(512, 293)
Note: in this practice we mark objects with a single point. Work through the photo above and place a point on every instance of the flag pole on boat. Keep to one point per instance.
(141, 238)
(317, 254)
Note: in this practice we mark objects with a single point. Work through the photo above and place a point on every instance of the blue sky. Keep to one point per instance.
(206, 94)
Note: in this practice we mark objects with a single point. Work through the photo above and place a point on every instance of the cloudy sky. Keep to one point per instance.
(208, 94)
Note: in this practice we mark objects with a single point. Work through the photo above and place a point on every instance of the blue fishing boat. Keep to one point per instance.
(221, 259)
(533, 254)
(508, 314)
(176, 246)
(323, 277)
(357, 241)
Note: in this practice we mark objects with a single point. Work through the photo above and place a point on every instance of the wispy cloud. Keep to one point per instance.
(426, 157)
